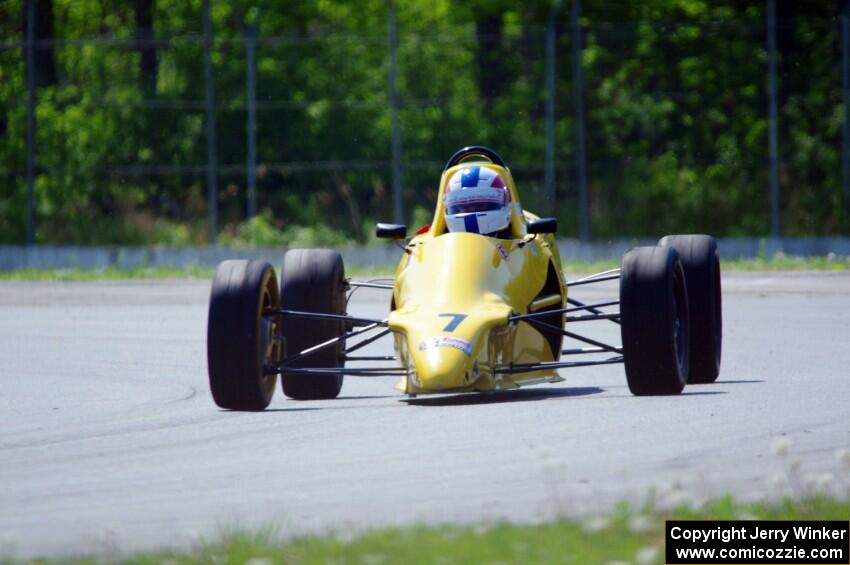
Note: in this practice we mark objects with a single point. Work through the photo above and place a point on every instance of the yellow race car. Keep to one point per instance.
(479, 304)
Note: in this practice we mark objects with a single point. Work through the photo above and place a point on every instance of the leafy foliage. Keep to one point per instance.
(261, 231)
(674, 91)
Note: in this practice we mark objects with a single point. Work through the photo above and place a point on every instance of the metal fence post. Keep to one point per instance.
(845, 90)
(549, 178)
(30, 48)
(581, 158)
(251, 55)
(398, 211)
(212, 176)
(773, 144)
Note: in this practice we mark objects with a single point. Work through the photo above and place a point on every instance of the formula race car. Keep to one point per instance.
(478, 304)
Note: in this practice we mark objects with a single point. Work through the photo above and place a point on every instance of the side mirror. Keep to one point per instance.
(543, 225)
(391, 231)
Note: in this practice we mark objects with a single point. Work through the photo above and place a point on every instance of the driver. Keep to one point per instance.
(478, 201)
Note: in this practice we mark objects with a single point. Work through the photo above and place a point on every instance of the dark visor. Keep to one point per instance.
(473, 207)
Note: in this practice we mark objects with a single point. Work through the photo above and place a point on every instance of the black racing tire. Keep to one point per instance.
(313, 280)
(240, 338)
(654, 321)
(701, 262)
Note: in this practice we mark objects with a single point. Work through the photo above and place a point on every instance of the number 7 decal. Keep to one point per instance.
(456, 320)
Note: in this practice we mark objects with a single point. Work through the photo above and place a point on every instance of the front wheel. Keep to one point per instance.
(313, 280)
(242, 337)
(701, 262)
(654, 321)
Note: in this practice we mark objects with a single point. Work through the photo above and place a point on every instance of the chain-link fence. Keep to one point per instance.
(617, 120)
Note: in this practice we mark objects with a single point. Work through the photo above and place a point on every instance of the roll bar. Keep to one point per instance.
(475, 150)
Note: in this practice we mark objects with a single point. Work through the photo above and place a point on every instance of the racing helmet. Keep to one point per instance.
(477, 200)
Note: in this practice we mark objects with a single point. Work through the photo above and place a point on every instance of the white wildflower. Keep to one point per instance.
(345, 537)
(374, 558)
(640, 524)
(646, 555)
(595, 524)
(777, 481)
(697, 503)
(259, 561)
(819, 481)
(780, 446)
(794, 465)
(677, 498)
(194, 536)
(617, 471)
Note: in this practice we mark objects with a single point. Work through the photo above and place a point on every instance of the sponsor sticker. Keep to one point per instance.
(502, 251)
(533, 248)
(446, 341)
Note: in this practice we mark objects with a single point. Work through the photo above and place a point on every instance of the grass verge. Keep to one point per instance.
(107, 274)
(781, 262)
(149, 273)
(630, 535)
(777, 263)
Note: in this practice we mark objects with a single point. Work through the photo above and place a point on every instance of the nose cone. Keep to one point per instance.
(442, 362)
(444, 346)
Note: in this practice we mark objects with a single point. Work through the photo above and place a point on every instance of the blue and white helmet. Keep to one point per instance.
(477, 200)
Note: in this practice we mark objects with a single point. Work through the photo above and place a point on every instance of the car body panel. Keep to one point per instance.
(453, 295)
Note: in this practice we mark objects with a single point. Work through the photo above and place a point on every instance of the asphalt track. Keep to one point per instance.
(109, 439)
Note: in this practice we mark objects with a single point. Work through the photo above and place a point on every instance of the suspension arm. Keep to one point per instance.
(587, 340)
(594, 308)
(530, 367)
(593, 317)
(609, 275)
(323, 316)
(370, 285)
(350, 371)
(330, 342)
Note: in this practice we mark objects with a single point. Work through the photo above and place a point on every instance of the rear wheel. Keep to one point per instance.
(701, 262)
(313, 280)
(654, 321)
(241, 344)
